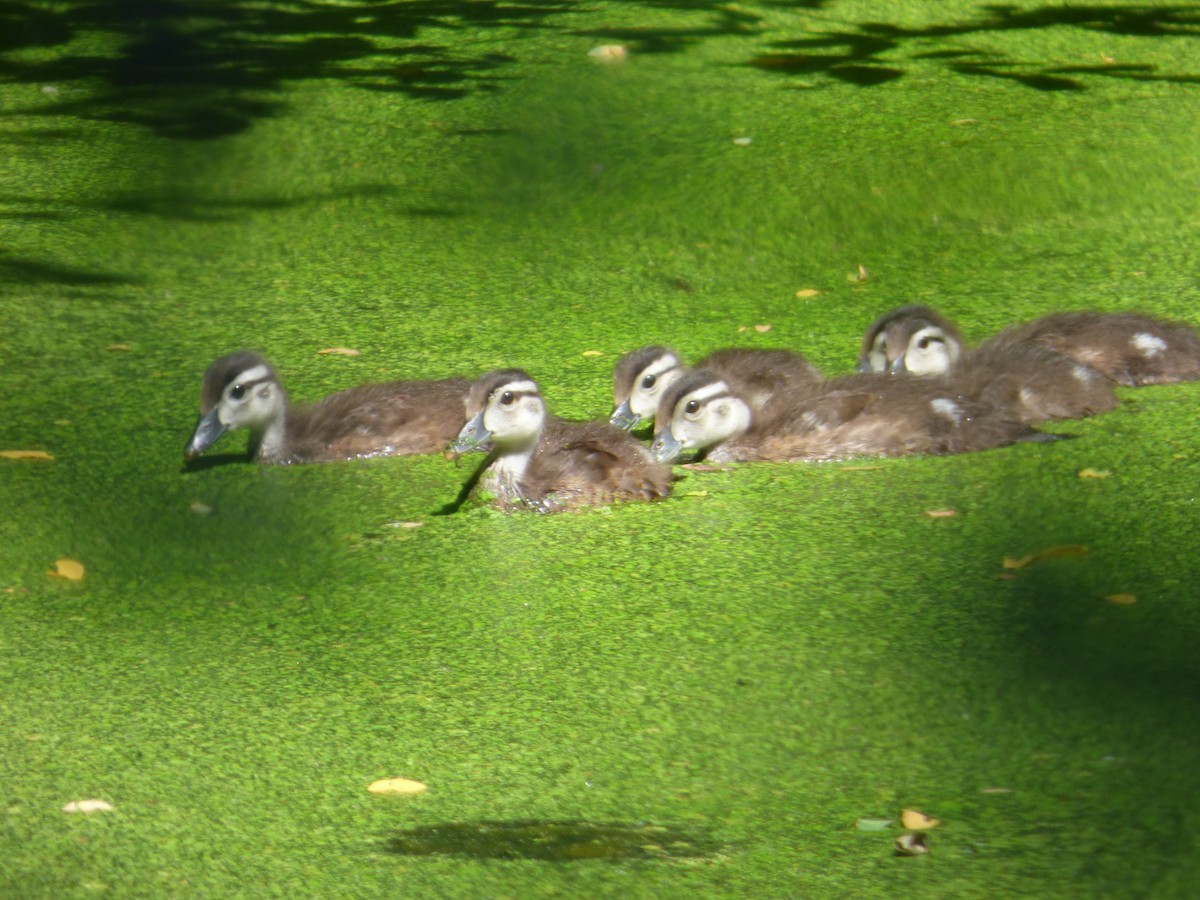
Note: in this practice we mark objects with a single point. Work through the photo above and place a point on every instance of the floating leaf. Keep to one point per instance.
(996, 790)
(917, 821)
(762, 329)
(69, 569)
(201, 509)
(26, 454)
(406, 524)
(873, 824)
(911, 845)
(941, 513)
(339, 351)
(807, 292)
(118, 348)
(964, 121)
(87, 806)
(1094, 473)
(609, 53)
(860, 276)
(1051, 553)
(397, 786)
(696, 494)
(593, 353)
(1121, 599)
(742, 141)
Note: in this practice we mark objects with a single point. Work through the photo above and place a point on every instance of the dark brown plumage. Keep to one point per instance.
(393, 419)
(541, 462)
(857, 415)
(1035, 383)
(1130, 348)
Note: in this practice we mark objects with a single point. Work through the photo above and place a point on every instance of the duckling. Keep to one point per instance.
(856, 415)
(760, 376)
(1034, 382)
(241, 390)
(1130, 348)
(541, 462)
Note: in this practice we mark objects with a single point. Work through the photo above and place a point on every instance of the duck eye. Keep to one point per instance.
(238, 392)
(693, 407)
(648, 381)
(506, 398)
(924, 343)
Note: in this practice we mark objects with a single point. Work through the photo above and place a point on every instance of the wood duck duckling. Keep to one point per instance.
(857, 415)
(1032, 381)
(1130, 348)
(541, 462)
(241, 390)
(761, 377)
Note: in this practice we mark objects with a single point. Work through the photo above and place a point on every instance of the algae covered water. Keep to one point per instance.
(700, 696)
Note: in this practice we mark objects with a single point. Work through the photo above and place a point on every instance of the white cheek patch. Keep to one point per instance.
(877, 360)
(1148, 344)
(947, 409)
(258, 373)
(1083, 374)
(663, 364)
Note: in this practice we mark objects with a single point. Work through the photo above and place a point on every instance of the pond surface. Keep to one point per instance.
(749, 668)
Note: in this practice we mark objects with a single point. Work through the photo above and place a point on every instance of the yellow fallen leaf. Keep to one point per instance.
(1121, 599)
(941, 513)
(87, 806)
(592, 353)
(860, 276)
(964, 121)
(1094, 473)
(1050, 553)
(118, 348)
(741, 328)
(696, 494)
(917, 821)
(762, 329)
(69, 569)
(911, 845)
(996, 790)
(397, 786)
(26, 454)
(609, 53)
(807, 292)
(340, 351)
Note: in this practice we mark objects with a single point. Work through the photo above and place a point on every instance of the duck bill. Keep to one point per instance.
(665, 447)
(624, 417)
(208, 430)
(898, 366)
(864, 365)
(472, 437)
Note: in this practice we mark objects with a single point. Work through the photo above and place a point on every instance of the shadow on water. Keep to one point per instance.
(866, 55)
(553, 841)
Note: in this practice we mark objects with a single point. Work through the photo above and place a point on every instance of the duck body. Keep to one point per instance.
(1130, 348)
(242, 390)
(1006, 372)
(541, 462)
(857, 415)
(761, 377)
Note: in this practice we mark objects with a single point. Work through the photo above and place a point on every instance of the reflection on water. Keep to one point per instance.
(552, 841)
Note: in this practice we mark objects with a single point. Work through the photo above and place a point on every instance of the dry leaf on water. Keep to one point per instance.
(860, 276)
(1051, 553)
(118, 348)
(87, 806)
(1121, 599)
(762, 329)
(26, 454)
(593, 353)
(941, 513)
(807, 292)
(339, 351)
(69, 569)
(609, 53)
(917, 821)
(911, 845)
(1094, 473)
(873, 824)
(397, 786)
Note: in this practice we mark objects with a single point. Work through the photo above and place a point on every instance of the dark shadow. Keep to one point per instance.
(215, 461)
(468, 487)
(868, 55)
(553, 841)
(26, 271)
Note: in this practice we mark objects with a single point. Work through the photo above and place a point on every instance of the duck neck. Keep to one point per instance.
(271, 442)
(508, 471)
